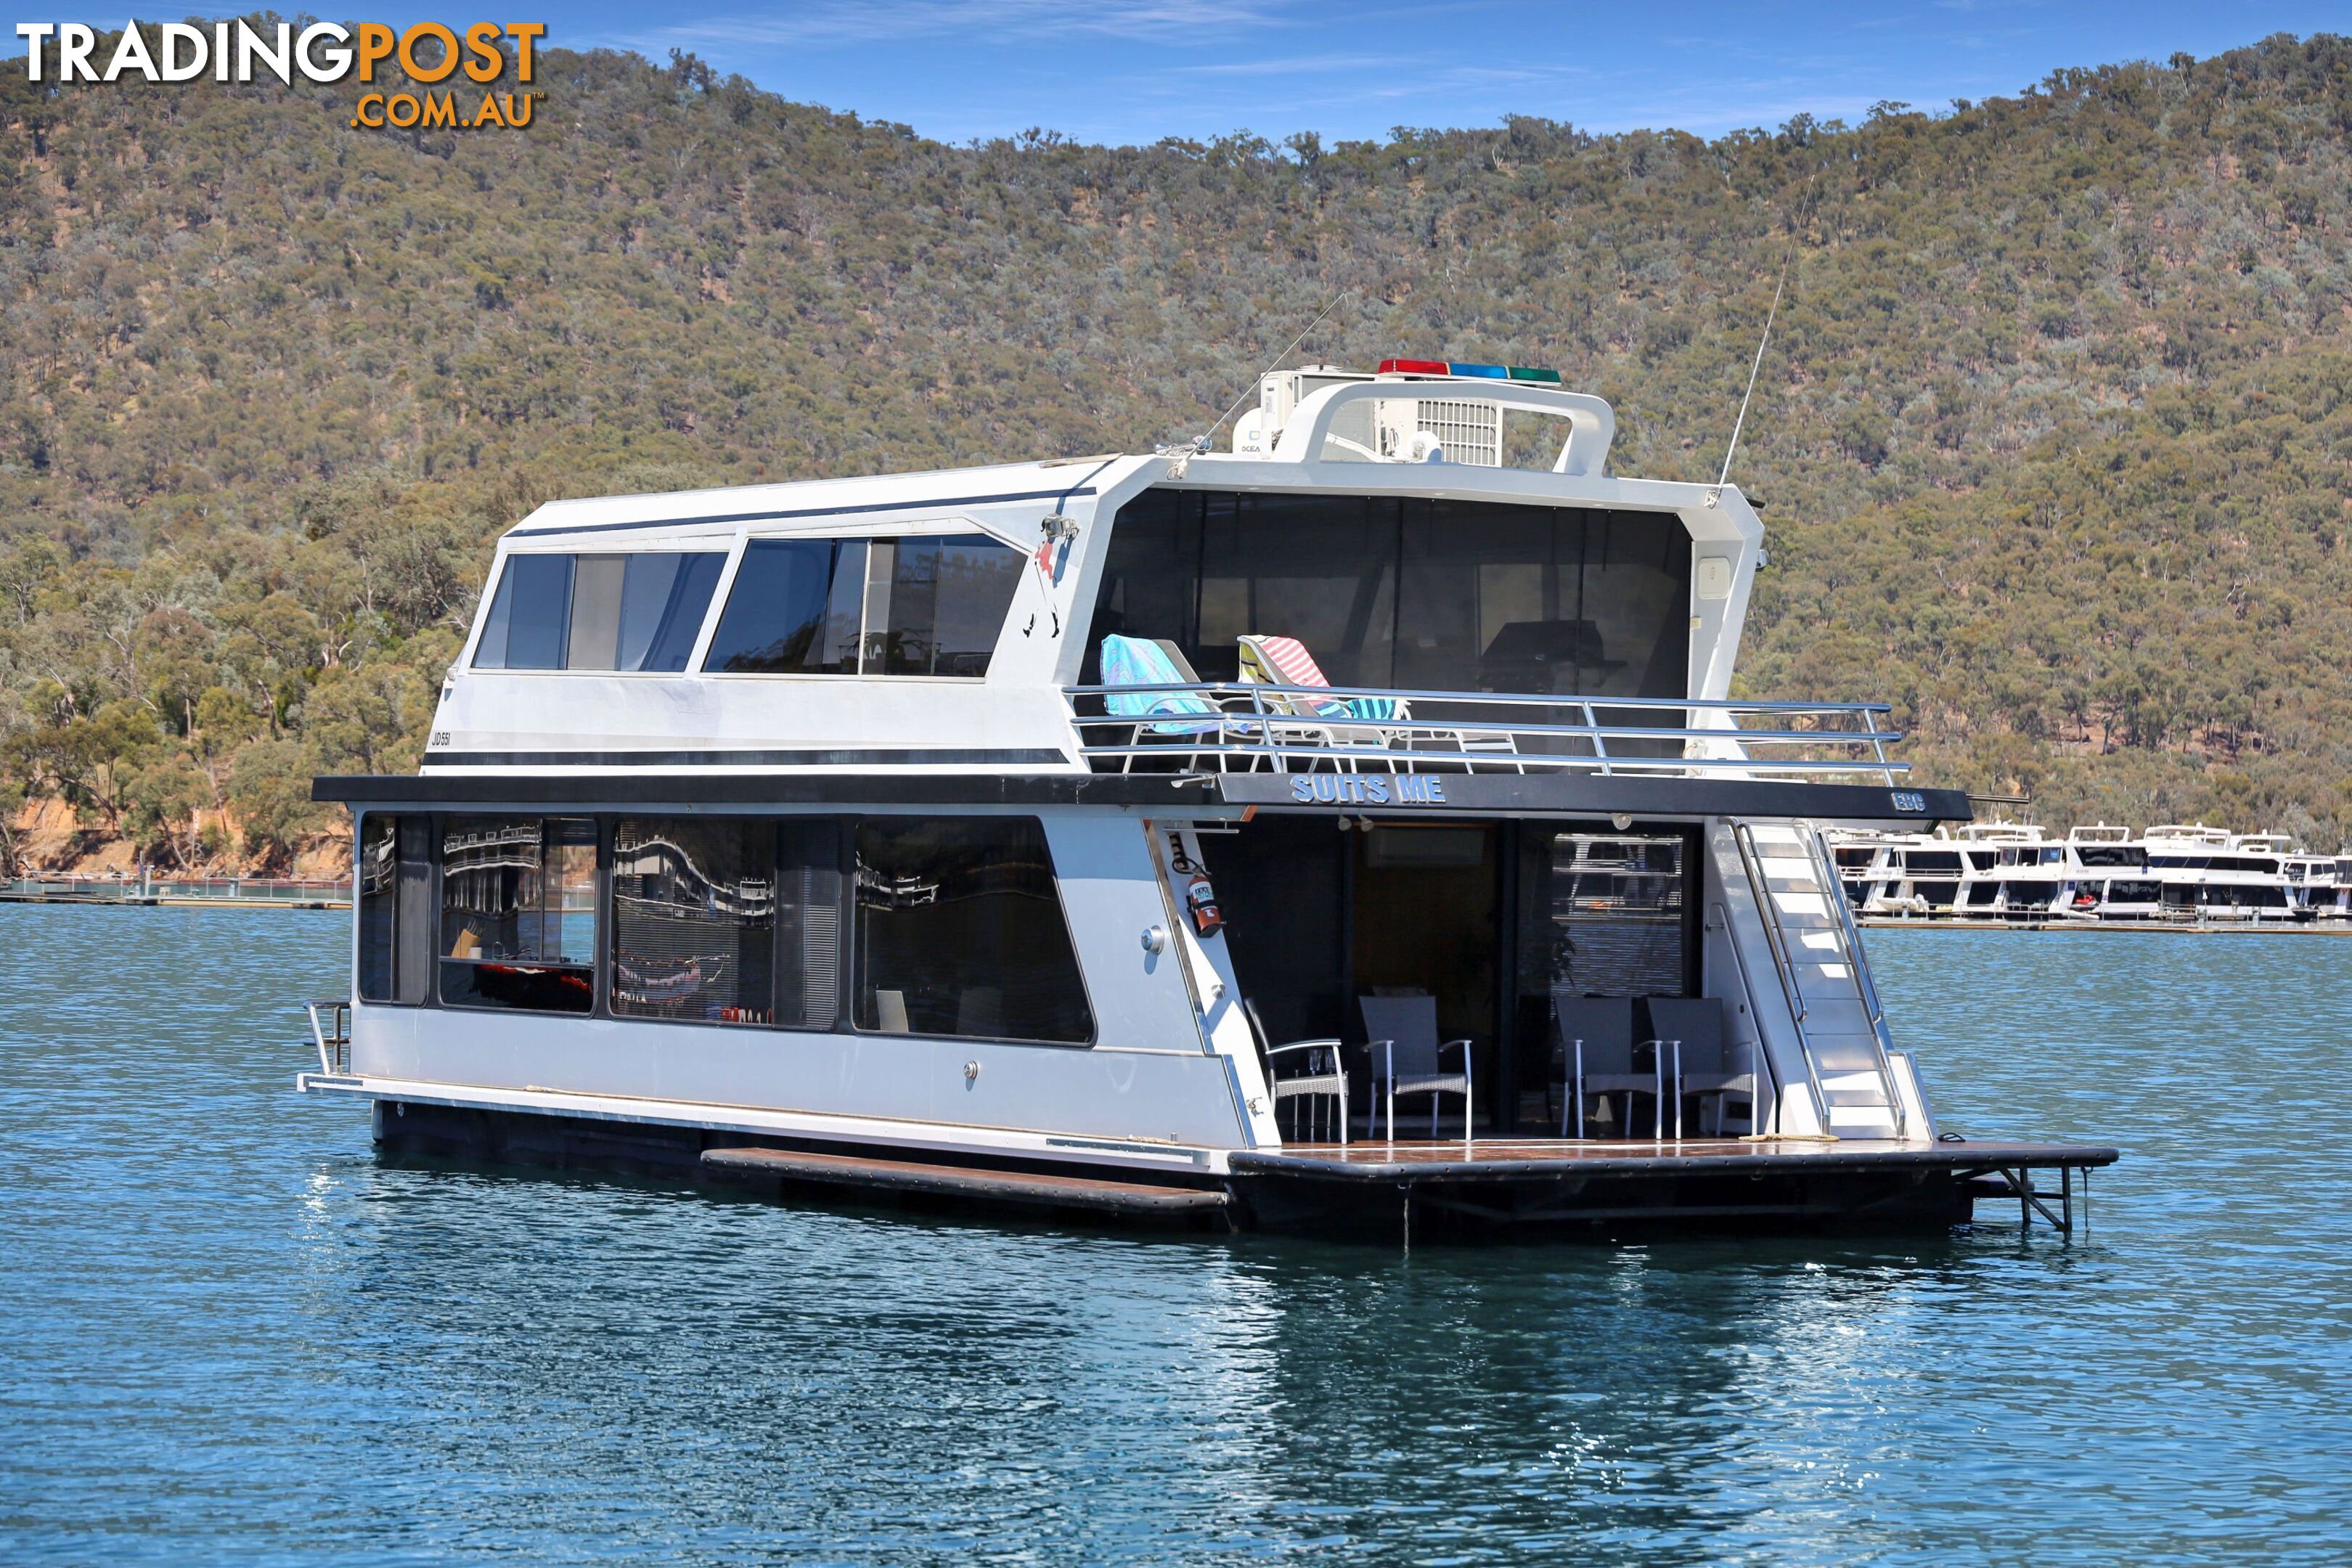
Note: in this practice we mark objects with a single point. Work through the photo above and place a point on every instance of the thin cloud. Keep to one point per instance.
(843, 22)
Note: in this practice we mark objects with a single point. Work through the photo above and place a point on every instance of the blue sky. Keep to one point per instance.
(1135, 70)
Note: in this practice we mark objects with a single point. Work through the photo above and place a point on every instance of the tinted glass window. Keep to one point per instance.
(947, 599)
(518, 914)
(808, 925)
(1415, 594)
(960, 932)
(376, 881)
(662, 602)
(886, 606)
(530, 616)
(1604, 914)
(634, 612)
(779, 611)
(694, 918)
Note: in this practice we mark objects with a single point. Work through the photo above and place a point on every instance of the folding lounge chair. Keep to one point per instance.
(1331, 720)
(1133, 661)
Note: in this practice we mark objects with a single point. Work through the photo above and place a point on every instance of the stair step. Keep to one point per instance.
(1029, 1187)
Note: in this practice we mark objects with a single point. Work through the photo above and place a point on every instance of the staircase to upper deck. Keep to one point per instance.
(1840, 1028)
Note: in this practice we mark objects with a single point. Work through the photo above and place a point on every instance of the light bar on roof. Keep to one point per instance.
(1478, 372)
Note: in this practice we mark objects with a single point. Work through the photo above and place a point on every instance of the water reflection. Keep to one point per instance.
(235, 1332)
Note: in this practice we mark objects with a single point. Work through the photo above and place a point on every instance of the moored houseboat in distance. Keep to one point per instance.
(2014, 872)
(1351, 829)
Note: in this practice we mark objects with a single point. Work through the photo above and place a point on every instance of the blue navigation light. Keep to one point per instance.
(1492, 372)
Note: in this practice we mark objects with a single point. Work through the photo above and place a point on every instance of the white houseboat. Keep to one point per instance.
(1350, 828)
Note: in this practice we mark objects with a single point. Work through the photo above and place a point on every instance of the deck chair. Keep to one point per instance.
(1689, 1034)
(1329, 721)
(1134, 662)
(1594, 1038)
(1321, 1072)
(1407, 1057)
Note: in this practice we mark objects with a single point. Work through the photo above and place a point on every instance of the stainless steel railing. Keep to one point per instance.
(332, 1035)
(1247, 726)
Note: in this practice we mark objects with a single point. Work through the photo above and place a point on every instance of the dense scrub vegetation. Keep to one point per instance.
(2055, 436)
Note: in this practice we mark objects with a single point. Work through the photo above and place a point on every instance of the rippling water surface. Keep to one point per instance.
(228, 1332)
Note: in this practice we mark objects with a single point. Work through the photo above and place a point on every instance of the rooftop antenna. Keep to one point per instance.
(1203, 444)
(1725, 478)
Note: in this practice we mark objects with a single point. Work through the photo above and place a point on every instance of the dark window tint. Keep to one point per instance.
(376, 883)
(693, 914)
(781, 617)
(808, 926)
(392, 873)
(531, 615)
(946, 605)
(885, 606)
(518, 914)
(1415, 594)
(663, 598)
(633, 612)
(961, 931)
(1605, 914)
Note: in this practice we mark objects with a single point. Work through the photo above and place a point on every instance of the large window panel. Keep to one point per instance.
(808, 925)
(1417, 594)
(531, 615)
(960, 933)
(375, 877)
(784, 616)
(518, 914)
(907, 605)
(1605, 914)
(694, 915)
(1320, 569)
(947, 605)
(1637, 598)
(640, 611)
(392, 872)
(1492, 599)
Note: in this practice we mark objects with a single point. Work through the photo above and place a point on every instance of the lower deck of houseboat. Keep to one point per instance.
(1378, 1190)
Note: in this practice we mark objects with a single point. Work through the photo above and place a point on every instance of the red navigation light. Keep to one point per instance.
(1413, 367)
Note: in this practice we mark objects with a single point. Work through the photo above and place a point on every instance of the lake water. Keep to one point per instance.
(228, 1333)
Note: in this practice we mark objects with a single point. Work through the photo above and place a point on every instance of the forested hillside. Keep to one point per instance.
(2053, 438)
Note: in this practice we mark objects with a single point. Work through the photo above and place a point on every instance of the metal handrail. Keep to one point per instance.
(334, 1043)
(1850, 939)
(1241, 722)
(1760, 1060)
(1777, 940)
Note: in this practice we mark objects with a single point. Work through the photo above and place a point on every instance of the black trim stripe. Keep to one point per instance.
(1010, 756)
(922, 505)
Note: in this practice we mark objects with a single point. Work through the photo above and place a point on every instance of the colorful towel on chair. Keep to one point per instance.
(1285, 661)
(1131, 661)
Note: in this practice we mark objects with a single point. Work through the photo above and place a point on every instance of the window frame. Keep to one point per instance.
(726, 548)
(843, 826)
(699, 660)
(853, 947)
(599, 978)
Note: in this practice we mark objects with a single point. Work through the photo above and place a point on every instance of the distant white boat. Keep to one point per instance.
(2004, 871)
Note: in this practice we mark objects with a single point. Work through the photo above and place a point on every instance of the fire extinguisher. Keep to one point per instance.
(1200, 898)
